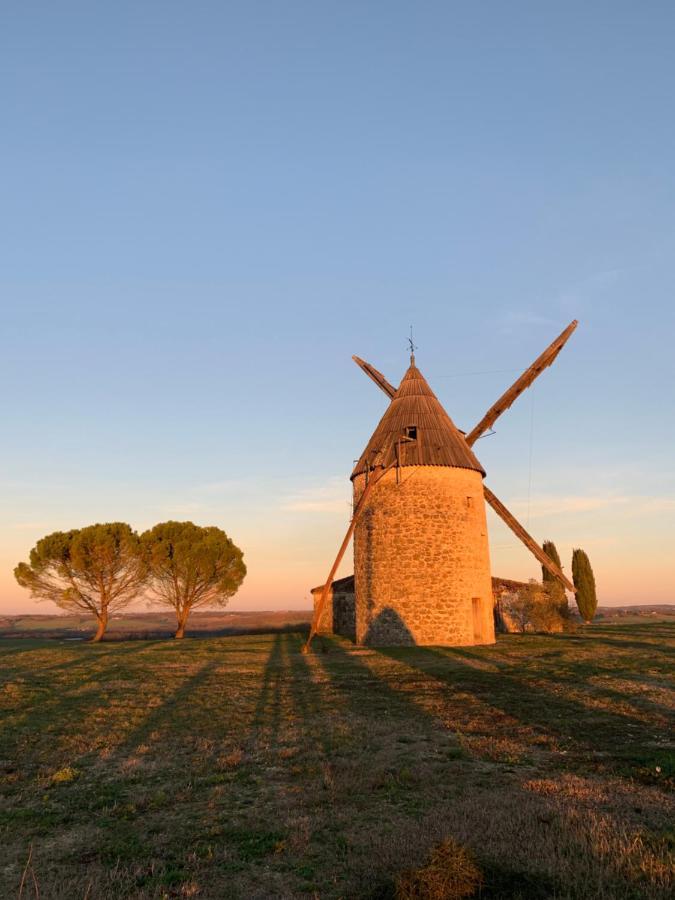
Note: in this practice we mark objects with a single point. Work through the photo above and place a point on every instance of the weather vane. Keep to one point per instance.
(412, 346)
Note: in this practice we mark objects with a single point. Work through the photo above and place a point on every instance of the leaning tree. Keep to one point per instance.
(97, 570)
(191, 566)
(584, 582)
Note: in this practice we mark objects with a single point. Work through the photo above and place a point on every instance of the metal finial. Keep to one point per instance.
(412, 347)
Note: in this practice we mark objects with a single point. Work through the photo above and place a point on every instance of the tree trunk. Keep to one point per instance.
(182, 622)
(102, 625)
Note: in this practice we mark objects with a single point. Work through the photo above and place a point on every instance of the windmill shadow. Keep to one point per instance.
(388, 629)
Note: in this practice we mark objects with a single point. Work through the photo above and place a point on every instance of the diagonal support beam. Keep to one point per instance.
(529, 375)
(376, 376)
(526, 538)
(360, 506)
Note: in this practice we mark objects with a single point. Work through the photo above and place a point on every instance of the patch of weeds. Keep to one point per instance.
(105, 797)
(501, 882)
(158, 799)
(252, 845)
(120, 845)
(660, 840)
(214, 778)
(37, 822)
(305, 871)
(64, 775)
(651, 767)
(392, 781)
(124, 811)
(381, 890)
(455, 753)
(173, 875)
(450, 873)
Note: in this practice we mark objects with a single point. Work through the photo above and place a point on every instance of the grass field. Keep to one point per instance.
(237, 767)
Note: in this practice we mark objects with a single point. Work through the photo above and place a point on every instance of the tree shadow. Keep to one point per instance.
(174, 706)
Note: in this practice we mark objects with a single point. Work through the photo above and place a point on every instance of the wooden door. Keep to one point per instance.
(477, 607)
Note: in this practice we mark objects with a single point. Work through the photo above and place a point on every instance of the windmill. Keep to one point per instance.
(421, 557)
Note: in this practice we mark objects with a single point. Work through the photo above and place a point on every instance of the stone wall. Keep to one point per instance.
(421, 559)
(505, 591)
(338, 616)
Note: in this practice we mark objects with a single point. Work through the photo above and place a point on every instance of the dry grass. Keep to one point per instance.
(236, 767)
(449, 874)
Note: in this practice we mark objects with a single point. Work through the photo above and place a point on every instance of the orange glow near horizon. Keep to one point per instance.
(284, 564)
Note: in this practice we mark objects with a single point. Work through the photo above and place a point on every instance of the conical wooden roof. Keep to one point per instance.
(438, 442)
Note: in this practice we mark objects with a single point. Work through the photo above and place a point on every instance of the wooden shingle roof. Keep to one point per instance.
(436, 439)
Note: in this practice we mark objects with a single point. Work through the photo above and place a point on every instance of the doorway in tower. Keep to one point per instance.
(477, 608)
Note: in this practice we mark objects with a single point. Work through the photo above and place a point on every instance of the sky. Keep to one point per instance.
(206, 208)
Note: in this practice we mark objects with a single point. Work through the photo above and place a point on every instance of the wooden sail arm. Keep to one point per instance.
(527, 539)
(360, 506)
(376, 376)
(526, 379)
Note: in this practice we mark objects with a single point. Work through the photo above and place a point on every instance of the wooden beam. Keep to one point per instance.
(360, 506)
(529, 375)
(527, 539)
(376, 376)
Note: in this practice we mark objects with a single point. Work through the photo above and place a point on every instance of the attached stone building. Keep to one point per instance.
(339, 613)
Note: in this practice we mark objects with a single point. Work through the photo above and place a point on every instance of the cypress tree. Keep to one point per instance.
(584, 582)
(555, 589)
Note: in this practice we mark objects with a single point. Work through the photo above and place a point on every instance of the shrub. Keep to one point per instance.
(535, 607)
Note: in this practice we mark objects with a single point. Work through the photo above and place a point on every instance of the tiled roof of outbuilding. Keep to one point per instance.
(438, 442)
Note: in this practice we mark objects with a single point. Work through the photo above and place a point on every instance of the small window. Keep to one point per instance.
(411, 432)
(469, 502)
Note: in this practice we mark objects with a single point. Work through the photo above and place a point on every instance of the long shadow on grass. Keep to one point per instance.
(175, 706)
(362, 687)
(519, 697)
(86, 656)
(267, 713)
(367, 695)
(314, 701)
(648, 638)
(69, 700)
(646, 647)
(69, 697)
(559, 667)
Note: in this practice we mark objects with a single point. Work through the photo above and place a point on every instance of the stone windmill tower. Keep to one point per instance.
(421, 556)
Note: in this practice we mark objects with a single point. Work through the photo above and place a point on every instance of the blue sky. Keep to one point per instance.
(208, 207)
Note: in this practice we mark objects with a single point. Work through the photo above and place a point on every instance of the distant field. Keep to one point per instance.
(237, 767)
(131, 625)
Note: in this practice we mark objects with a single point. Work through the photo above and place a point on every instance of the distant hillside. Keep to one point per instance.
(639, 609)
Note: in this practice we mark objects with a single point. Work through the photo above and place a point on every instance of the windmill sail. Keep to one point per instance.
(526, 379)
(376, 376)
(526, 538)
